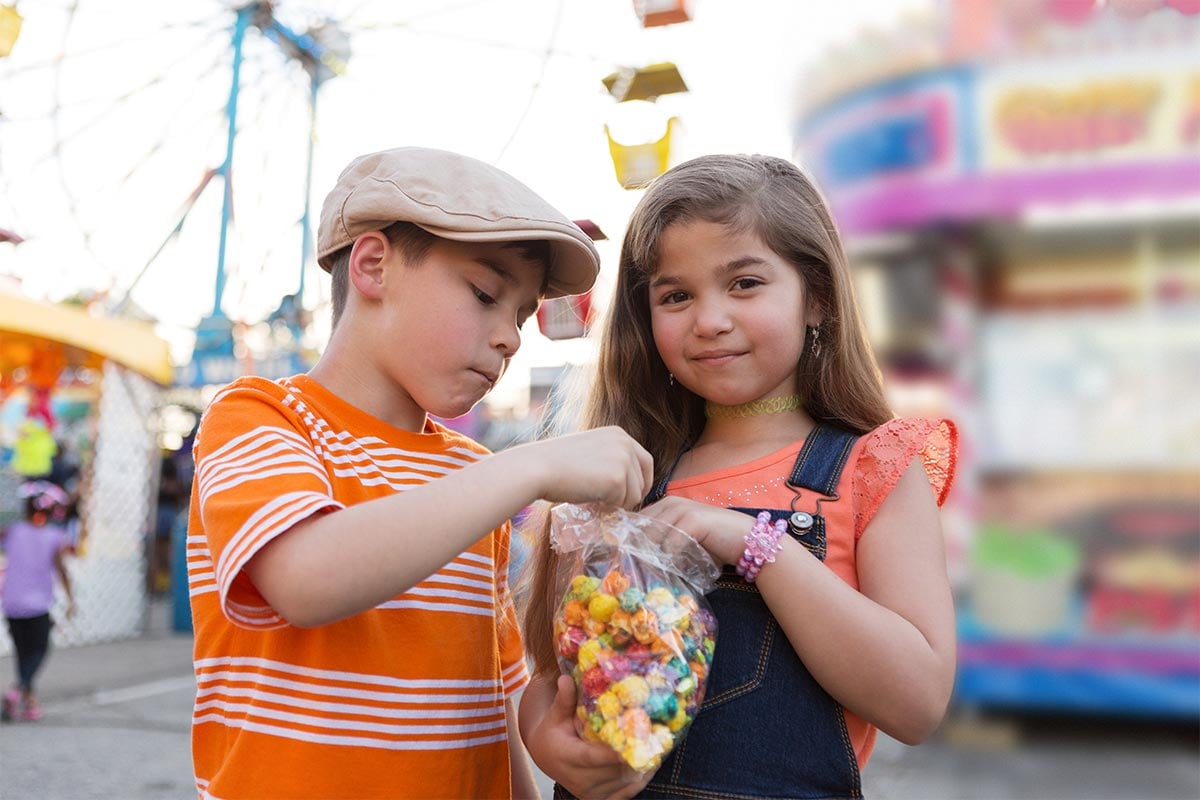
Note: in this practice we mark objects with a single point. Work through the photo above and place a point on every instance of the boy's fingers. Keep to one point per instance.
(646, 463)
(632, 495)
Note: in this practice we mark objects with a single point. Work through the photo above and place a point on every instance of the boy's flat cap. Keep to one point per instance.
(455, 197)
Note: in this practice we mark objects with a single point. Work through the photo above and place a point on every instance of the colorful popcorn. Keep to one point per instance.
(635, 633)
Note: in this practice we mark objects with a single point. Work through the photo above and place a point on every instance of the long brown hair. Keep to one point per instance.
(772, 198)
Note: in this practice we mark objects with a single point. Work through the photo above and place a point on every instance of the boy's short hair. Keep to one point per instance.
(453, 197)
(414, 244)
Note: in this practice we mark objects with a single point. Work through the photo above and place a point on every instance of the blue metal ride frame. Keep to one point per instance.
(320, 63)
(305, 227)
(244, 15)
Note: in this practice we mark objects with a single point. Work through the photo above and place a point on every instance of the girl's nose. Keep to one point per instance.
(712, 318)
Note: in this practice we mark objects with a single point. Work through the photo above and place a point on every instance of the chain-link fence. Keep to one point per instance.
(118, 491)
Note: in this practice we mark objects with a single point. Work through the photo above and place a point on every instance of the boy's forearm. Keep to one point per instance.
(335, 565)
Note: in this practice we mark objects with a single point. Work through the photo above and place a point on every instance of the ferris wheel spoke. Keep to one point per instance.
(184, 210)
(62, 138)
(537, 85)
(183, 214)
(441, 10)
(493, 44)
(113, 105)
(217, 126)
(130, 113)
(66, 57)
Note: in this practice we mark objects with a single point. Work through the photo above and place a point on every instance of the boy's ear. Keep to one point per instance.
(367, 258)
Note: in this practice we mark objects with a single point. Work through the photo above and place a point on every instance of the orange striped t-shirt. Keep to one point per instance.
(404, 700)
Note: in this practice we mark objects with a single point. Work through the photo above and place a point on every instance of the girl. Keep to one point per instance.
(734, 353)
(34, 550)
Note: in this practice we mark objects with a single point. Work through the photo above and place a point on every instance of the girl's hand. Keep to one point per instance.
(602, 465)
(587, 769)
(718, 530)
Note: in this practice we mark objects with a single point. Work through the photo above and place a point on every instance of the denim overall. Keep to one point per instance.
(766, 728)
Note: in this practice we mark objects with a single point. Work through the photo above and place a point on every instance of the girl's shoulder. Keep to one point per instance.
(886, 452)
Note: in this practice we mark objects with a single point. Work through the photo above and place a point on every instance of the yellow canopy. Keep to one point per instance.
(85, 339)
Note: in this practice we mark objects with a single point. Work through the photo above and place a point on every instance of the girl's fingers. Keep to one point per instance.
(564, 698)
(631, 783)
(598, 757)
(627, 792)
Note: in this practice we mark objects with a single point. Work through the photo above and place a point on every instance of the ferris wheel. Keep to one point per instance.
(163, 155)
(170, 157)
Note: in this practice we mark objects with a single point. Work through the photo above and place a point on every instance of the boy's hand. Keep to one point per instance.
(718, 530)
(603, 465)
(587, 769)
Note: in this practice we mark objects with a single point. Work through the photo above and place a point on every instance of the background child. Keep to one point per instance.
(347, 557)
(33, 550)
(735, 355)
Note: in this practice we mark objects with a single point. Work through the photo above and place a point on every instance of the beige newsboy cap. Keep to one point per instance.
(455, 197)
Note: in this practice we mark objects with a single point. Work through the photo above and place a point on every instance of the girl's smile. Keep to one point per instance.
(717, 355)
(716, 359)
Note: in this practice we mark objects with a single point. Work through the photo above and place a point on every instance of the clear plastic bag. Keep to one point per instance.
(633, 628)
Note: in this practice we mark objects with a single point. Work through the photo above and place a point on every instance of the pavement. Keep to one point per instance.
(117, 725)
(117, 721)
(71, 673)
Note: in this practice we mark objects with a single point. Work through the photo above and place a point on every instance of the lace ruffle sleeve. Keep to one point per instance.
(887, 452)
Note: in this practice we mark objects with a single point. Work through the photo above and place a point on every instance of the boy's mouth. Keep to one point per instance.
(491, 378)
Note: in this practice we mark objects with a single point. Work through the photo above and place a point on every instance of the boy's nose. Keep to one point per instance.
(507, 338)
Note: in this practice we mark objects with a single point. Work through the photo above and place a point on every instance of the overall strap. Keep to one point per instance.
(818, 468)
(660, 489)
(819, 464)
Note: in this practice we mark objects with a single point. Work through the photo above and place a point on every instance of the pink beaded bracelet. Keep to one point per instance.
(762, 543)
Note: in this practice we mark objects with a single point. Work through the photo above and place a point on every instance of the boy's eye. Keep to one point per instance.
(483, 296)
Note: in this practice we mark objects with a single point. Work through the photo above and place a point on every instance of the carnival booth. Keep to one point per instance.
(1021, 203)
(78, 398)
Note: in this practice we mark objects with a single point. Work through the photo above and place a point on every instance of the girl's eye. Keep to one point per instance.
(673, 297)
(746, 283)
(483, 297)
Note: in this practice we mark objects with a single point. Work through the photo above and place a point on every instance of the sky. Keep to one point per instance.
(112, 111)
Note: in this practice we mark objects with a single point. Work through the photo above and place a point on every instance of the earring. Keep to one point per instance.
(816, 344)
(671, 378)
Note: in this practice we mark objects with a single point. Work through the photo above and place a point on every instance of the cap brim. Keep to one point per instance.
(574, 265)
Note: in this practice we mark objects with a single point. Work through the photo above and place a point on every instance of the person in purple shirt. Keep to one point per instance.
(34, 550)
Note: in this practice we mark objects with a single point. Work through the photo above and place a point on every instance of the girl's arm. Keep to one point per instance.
(886, 651)
(60, 566)
(586, 769)
(523, 785)
(331, 566)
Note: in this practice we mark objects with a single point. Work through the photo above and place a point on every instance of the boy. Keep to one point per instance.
(355, 636)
